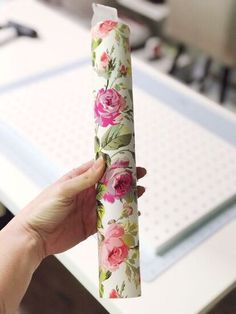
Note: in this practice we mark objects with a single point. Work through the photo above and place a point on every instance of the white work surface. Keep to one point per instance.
(198, 279)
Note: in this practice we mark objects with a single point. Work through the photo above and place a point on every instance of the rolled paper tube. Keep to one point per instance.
(117, 214)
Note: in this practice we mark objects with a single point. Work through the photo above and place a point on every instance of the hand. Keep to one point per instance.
(64, 214)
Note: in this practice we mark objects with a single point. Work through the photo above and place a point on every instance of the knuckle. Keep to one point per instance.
(60, 190)
(89, 177)
(73, 172)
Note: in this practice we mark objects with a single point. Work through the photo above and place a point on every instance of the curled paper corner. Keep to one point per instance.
(103, 12)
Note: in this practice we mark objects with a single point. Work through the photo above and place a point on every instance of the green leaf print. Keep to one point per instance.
(129, 240)
(116, 137)
(135, 254)
(117, 87)
(130, 94)
(103, 275)
(122, 287)
(93, 58)
(124, 29)
(128, 272)
(117, 36)
(100, 214)
(137, 276)
(96, 43)
(129, 197)
(101, 189)
(96, 144)
(119, 292)
(133, 273)
(101, 290)
(132, 228)
(100, 236)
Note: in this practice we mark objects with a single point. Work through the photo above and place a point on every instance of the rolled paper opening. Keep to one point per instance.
(102, 13)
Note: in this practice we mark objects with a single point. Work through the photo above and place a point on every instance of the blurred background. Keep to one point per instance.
(193, 41)
(168, 36)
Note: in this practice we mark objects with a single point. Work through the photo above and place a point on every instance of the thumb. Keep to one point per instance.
(85, 180)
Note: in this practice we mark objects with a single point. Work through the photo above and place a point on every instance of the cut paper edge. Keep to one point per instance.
(102, 13)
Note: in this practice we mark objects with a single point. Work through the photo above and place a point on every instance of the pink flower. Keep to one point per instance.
(103, 65)
(113, 250)
(127, 210)
(123, 70)
(118, 180)
(108, 106)
(104, 60)
(102, 29)
(114, 231)
(113, 294)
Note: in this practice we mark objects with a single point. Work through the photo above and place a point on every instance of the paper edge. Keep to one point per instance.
(103, 12)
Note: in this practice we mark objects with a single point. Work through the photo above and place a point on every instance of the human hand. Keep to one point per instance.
(64, 214)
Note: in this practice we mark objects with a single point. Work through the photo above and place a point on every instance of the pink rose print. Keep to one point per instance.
(102, 29)
(114, 231)
(103, 65)
(104, 60)
(108, 106)
(113, 250)
(113, 294)
(128, 210)
(123, 70)
(118, 180)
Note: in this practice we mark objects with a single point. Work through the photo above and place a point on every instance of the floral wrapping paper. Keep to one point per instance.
(117, 215)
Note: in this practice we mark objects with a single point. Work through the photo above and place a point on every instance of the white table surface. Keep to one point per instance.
(193, 284)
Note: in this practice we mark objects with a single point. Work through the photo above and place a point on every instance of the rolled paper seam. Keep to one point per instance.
(117, 214)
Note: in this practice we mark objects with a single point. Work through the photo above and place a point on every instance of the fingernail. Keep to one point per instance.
(143, 169)
(98, 163)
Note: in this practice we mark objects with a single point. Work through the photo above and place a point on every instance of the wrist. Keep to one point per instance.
(22, 238)
(20, 256)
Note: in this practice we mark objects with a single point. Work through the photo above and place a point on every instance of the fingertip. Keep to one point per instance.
(141, 172)
(86, 179)
(144, 170)
(140, 190)
(98, 164)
